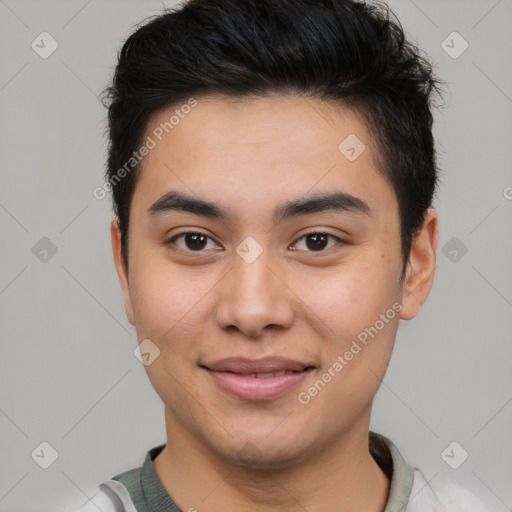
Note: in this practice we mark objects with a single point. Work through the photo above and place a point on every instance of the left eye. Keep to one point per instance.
(317, 242)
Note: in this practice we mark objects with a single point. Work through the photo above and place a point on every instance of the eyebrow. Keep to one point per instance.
(338, 201)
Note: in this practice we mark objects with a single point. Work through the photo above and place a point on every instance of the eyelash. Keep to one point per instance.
(338, 240)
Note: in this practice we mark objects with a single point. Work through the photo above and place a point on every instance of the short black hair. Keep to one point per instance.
(350, 52)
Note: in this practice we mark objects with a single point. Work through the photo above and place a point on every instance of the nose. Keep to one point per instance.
(254, 298)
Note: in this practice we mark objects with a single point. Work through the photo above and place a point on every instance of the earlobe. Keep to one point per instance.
(122, 271)
(420, 267)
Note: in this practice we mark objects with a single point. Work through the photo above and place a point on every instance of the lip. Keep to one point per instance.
(250, 379)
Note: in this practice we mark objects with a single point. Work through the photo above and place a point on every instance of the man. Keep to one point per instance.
(273, 168)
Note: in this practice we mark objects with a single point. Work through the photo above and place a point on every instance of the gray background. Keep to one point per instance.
(68, 374)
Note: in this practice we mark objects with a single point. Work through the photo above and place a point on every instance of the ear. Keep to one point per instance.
(420, 267)
(122, 272)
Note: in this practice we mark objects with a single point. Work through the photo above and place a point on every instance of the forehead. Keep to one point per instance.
(260, 150)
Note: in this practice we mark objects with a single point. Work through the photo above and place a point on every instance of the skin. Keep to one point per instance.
(292, 301)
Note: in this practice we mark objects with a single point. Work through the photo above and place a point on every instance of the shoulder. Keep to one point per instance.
(124, 492)
(410, 490)
(110, 496)
(443, 497)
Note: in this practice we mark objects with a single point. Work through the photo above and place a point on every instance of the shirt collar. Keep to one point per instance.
(402, 476)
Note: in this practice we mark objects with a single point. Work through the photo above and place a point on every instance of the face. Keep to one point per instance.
(264, 265)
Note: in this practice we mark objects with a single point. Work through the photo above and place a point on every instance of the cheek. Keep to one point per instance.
(349, 298)
(169, 306)
(169, 310)
(355, 357)
(350, 302)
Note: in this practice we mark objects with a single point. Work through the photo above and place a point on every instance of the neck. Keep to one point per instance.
(341, 477)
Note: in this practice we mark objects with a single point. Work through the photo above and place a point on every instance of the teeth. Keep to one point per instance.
(269, 375)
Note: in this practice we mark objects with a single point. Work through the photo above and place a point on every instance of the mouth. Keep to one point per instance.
(261, 379)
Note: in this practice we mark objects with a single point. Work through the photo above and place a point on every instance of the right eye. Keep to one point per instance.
(191, 241)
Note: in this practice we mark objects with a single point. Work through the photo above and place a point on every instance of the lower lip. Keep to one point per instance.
(252, 388)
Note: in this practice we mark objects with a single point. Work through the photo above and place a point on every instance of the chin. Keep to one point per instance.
(259, 452)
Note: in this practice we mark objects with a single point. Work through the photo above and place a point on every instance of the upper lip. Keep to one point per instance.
(244, 365)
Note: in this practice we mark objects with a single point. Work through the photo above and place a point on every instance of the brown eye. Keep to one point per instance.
(193, 242)
(318, 242)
